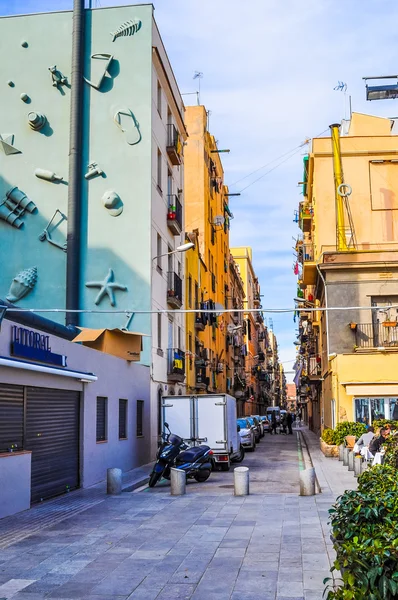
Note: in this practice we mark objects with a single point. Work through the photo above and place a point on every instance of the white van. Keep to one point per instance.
(276, 410)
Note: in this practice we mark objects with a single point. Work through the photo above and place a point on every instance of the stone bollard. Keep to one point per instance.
(357, 466)
(241, 481)
(346, 452)
(307, 482)
(178, 482)
(114, 481)
(341, 452)
(351, 457)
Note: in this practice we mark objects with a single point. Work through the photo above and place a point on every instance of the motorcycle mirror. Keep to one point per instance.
(166, 425)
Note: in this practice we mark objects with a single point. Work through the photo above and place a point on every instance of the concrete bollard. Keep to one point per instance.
(307, 482)
(357, 466)
(178, 482)
(114, 481)
(351, 457)
(241, 481)
(341, 452)
(346, 452)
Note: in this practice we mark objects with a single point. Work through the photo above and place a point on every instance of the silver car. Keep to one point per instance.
(247, 436)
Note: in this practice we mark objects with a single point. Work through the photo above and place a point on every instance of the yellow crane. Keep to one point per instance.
(342, 191)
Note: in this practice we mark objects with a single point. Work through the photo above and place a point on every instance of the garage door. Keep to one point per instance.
(52, 434)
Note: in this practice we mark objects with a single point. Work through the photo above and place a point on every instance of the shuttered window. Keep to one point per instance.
(122, 419)
(102, 417)
(140, 415)
(11, 417)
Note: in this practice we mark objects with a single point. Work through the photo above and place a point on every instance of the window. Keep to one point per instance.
(160, 331)
(159, 99)
(196, 295)
(169, 117)
(189, 292)
(179, 338)
(159, 179)
(102, 418)
(170, 259)
(140, 415)
(159, 251)
(169, 182)
(190, 351)
(122, 419)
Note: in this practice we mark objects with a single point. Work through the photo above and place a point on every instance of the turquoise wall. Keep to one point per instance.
(120, 243)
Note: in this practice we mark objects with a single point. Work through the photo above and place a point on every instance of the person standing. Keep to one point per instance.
(273, 422)
(289, 420)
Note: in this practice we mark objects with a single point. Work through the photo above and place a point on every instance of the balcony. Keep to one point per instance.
(257, 300)
(305, 255)
(306, 213)
(174, 214)
(201, 379)
(201, 319)
(174, 145)
(174, 290)
(175, 365)
(314, 367)
(376, 335)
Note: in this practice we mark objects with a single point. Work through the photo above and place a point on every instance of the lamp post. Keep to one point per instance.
(182, 248)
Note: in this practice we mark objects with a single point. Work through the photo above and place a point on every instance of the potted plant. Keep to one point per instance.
(327, 444)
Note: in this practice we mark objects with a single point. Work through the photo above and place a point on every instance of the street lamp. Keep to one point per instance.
(182, 248)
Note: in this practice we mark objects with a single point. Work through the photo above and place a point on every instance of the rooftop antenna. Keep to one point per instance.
(342, 87)
(198, 75)
(271, 324)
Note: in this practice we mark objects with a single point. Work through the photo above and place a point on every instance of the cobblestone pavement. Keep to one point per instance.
(207, 545)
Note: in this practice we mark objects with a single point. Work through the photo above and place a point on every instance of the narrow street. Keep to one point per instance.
(208, 544)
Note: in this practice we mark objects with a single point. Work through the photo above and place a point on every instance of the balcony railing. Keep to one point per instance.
(174, 145)
(376, 335)
(201, 379)
(314, 366)
(174, 289)
(305, 253)
(175, 364)
(174, 214)
(201, 319)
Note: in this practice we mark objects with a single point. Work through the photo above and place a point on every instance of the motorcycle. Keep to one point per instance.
(197, 462)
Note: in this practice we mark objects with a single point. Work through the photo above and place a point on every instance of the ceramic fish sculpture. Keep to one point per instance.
(22, 284)
(128, 28)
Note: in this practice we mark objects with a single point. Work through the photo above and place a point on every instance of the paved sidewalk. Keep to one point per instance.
(207, 545)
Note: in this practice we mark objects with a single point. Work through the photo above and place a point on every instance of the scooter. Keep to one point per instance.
(197, 462)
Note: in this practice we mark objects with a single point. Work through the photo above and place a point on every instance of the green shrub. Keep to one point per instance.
(391, 455)
(348, 428)
(328, 436)
(384, 422)
(365, 528)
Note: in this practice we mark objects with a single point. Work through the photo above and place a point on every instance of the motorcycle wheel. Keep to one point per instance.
(240, 456)
(202, 476)
(154, 478)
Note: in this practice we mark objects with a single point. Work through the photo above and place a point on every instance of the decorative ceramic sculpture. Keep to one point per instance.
(57, 77)
(102, 69)
(13, 207)
(22, 284)
(47, 175)
(7, 144)
(36, 121)
(24, 97)
(112, 202)
(24, 44)
(127, 29)
(10, 83)
(131, 126)
(93, 171)
(107, 287)
(52, 226)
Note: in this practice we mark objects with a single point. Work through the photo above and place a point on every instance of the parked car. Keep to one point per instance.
(247, 435)
(256, 428)
(266, 424)
(260, 423)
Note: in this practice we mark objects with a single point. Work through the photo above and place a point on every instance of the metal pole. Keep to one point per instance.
(114, 481)
(307, 482)
(178, 482)
(75, 170)
(338, 180)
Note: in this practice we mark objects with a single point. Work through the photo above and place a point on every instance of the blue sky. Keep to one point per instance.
(269, 69)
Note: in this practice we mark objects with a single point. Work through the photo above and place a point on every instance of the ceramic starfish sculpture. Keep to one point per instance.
(107, 287)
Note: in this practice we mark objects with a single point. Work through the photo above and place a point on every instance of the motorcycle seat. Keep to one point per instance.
(192, 454)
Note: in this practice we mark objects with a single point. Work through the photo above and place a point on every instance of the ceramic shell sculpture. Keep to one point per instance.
(22, 284)
(126, 29)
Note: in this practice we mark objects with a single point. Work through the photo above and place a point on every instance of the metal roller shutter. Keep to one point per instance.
(11, 416)
(52, 434)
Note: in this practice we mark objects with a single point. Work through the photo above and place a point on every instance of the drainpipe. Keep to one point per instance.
(38, 322)
(75, 171)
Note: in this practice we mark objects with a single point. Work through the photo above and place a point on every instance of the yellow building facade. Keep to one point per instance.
(347, 256)
(208, 215)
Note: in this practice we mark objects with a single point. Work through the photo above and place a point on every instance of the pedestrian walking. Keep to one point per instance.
(289, 420)
(284, 423)
(273, 423)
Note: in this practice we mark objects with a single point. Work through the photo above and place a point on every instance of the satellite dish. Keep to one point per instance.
(218, 306)
(219, 221)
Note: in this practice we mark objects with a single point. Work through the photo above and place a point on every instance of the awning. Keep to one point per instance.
(368, 389)
(27, 366)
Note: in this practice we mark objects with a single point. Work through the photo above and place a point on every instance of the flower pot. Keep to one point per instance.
(329, 450)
